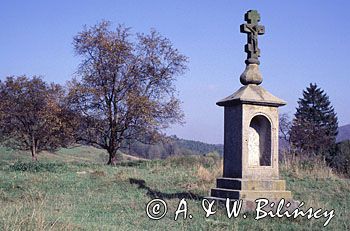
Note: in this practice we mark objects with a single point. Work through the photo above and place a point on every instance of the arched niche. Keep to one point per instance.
(259, 142)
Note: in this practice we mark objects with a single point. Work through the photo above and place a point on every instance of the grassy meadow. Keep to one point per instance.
(73, 189)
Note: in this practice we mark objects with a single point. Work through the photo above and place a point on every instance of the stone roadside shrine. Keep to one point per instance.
(251, 132)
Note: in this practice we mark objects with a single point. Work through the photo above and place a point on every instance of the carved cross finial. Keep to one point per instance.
(252, 29)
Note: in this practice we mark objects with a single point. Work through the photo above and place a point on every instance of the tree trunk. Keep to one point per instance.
(112, 160)
(113, 153)
(33, 150)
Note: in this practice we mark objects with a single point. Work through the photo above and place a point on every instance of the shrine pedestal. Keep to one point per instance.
(250, 189)
(251, 132)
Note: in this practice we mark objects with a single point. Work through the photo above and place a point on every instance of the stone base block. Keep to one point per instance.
(242, 184)
(249, 194)
(248, 189)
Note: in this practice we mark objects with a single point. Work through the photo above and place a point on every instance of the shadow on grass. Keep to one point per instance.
(161, 195)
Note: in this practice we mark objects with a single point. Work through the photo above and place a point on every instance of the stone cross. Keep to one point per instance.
(250, 168)
(252, 29)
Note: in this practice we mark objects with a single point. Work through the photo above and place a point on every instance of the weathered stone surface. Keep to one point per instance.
(233, 164)
(269, 133)
(253, 146)
(236, 188)
(251, 75)
(250, 194)
(259, 142)
(242, 184)
(238, 119)
(252, 94)
(252, 29)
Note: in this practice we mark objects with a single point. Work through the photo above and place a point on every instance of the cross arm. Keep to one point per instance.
(260, 29)
(250, 28)
(244, 28)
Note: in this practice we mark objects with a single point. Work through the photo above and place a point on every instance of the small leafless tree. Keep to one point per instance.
(285, 124)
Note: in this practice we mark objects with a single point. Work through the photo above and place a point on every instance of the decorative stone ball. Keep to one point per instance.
(251, 75)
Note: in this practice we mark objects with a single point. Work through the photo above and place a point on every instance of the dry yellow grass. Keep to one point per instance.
(209, 175)
(313, 167)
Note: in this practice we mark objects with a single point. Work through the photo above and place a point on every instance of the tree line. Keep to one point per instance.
(125, 92)
(171, 146)
(125, 96)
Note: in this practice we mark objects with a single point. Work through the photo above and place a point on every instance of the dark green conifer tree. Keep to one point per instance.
(315, 125)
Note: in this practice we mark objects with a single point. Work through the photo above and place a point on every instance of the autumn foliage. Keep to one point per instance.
(125, 92)
(126, 89)
(32, 115)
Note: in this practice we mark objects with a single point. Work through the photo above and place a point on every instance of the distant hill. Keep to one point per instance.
(177, 146)
(172, 146)
(199, 147)
(202, 148)
(343, 133)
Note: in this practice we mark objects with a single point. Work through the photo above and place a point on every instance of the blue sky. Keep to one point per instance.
(304, 41)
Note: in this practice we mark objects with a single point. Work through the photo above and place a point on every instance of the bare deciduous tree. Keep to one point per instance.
(285, 125)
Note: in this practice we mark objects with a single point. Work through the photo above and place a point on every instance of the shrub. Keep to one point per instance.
(300, 166)
(340, 158)
(38, 167)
